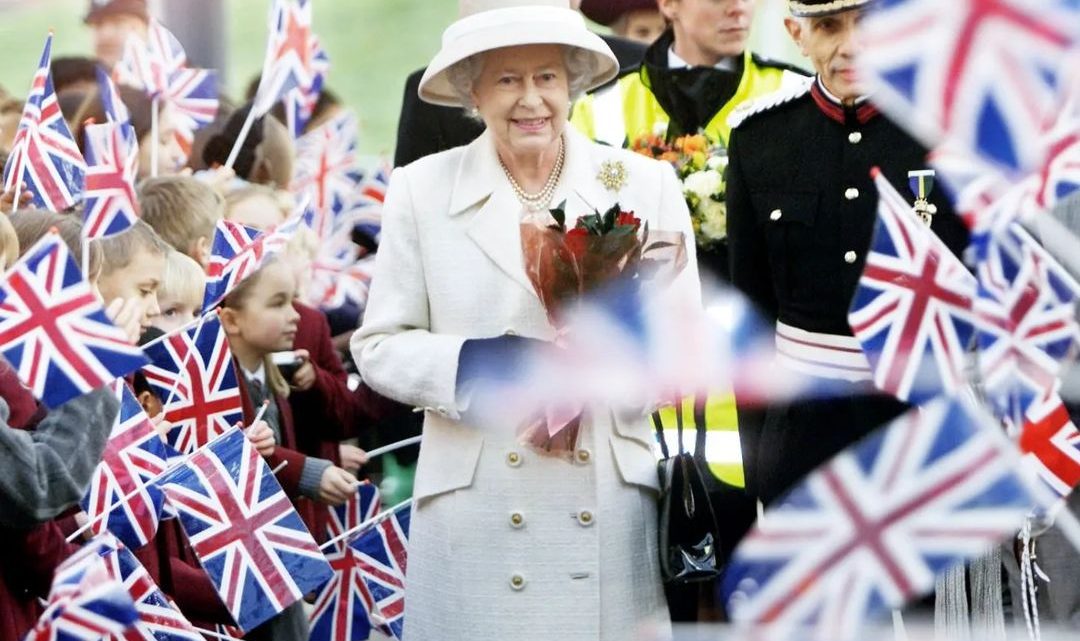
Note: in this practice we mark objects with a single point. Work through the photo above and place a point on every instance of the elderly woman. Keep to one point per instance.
(508, 542)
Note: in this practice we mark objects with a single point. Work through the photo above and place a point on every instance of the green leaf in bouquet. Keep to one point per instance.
(590, 223)
(559, 214)
(608, 221)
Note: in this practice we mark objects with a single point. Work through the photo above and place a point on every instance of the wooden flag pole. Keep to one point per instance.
(382, 516)
(154, 137)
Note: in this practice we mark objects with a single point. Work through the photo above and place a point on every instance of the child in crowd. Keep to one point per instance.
(132, 264)
(266, 156)
(9, 244)
(259, 320)
(183, 210)
(180, 296)
(257, 206)
(171, 157)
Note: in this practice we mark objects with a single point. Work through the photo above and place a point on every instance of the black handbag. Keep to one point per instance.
(688, 531)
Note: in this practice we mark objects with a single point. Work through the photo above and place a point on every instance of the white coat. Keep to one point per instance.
(506, 543)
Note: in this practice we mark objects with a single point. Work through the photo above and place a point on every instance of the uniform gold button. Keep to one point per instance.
(513, 459)
(585, 518)
(583, 456)
(776, 214)
(850, 257)
(517, 582)
(851, 193)
(855, 137)
(517, 520)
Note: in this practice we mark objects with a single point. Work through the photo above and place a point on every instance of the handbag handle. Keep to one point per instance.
(658, 425)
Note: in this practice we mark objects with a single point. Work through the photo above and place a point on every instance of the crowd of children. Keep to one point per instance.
(151, 280)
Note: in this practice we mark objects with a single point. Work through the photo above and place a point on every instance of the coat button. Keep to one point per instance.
(850, 257)
(851, 193)
(585, 518)
(776, 214)
(517, 583)
(584, 456)
(509, 332)
(517, 520)
(855, 137)
(513, 459)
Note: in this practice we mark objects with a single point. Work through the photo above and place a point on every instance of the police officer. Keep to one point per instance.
(693, 76)
(801, 214)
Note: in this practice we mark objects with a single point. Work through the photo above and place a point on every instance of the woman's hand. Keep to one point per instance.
(352, 457)
(337, 486)
(262, 438)
(304, 378)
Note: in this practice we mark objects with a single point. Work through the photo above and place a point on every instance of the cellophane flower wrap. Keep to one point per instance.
(566, 265)
(700, 166)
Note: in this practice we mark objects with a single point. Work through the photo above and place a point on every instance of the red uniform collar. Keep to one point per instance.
(862, 112)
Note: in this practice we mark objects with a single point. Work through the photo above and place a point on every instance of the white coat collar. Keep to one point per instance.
(495, 227)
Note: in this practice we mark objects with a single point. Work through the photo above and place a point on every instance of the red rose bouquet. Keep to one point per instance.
(567, 265)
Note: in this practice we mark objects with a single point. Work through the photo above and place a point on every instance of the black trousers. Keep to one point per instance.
(798, 437)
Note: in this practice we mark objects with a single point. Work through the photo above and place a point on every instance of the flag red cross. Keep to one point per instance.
(925, 292)
(40, 317)
(246, 528)
(982, 13)
(869, 533)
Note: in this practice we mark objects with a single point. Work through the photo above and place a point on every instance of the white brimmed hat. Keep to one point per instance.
(484, 25)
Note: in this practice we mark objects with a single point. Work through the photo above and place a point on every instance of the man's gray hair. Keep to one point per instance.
(581, 67)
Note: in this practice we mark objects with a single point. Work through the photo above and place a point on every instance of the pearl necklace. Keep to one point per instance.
(541, 199)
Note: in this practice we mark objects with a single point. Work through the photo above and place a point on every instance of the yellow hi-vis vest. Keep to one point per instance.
(722, 451)
(628, 110)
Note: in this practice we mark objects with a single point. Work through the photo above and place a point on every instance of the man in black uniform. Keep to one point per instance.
(801, 214)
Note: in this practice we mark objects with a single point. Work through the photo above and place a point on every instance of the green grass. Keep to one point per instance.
(373, 45)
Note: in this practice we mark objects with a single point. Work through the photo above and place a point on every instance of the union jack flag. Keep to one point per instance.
(159, 619)
(1026, 321)
(988, 199)
(85, 601)
(148, 63)
(243, 528)
(985, 73)
(197, 364)
(1051, 445)
(869, 530)
(300, 102)
(44, 154)
(193, 97)
(53, 329)
(327, 171)
(158, 66)
(115, 109)
(336, 282)
(343, 607)
(112, 158)
(381, 553)
(912, 310)
(238, 252)
(134, 456)
(290, 54)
